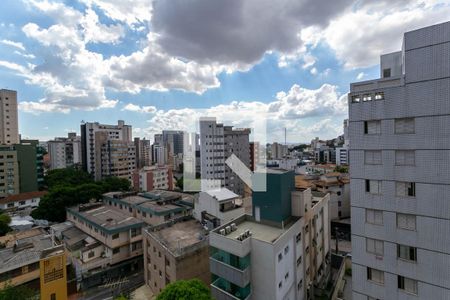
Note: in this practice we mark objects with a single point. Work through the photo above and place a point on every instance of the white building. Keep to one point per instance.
(217, 144)
(108, 150)
(21, 201)
(400, 180)
(215, 207)
(9, 128)
(279, 254)
(64, 152)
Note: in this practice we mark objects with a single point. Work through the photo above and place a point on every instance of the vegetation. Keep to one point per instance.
(341, 169)
(348, 272)
(9, 292)
(193, 289)
(299, 148)
(4, 221)
(69, 187)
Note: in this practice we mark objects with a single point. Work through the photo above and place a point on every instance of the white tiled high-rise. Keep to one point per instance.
(400, 172)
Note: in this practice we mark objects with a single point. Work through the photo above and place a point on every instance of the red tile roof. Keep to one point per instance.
(22, 196)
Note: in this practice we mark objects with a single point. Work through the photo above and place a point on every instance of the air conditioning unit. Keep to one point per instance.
(233, 226)
(228, 229)
(222, 231)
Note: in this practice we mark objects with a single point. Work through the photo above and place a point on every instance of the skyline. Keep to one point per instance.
(298, 70)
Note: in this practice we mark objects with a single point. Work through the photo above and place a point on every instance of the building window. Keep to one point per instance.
(407, 284)
(405, 157)
(404, 126)
(386, 73)
(407, 222)
(280, 284)
(372, 127)
(299, 284)
(286, 276)
(367, 97)
(375, 246)
(91, 254)
(375, 275)
(373, 186)
(115, 236)
(407, 252)
(356, 98)
(405, 189)
(372, 157)
(280, 257)
(298, 237)
(116, 250)
(379, 96)
(286, 250)
(374, 216)
(53, 296)
(299, 261)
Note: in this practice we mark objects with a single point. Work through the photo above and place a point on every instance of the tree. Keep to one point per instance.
(341, 169)
(69, 187)
(4, 224)
(10, 292)
(193, 289)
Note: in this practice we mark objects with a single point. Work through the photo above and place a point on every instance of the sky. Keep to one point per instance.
(162, 64)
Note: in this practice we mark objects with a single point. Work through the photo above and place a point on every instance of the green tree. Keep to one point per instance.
(4, 221)
(341, 169)
(9, 292)
(193, 289)
(69, 187)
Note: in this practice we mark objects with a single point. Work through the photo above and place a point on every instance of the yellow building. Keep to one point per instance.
(53, 274)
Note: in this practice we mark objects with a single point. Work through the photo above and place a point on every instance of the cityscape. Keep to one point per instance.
(134, 173)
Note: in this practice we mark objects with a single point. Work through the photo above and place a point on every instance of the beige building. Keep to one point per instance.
(9, 129)
(153, 177)
(108, 150)
(175, 252)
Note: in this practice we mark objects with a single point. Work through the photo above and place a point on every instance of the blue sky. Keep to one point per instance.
(159, 65)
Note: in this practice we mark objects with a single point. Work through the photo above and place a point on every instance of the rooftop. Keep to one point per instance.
(22, 197)
(106, 218)
(259, 231)
(222, 194)
(180, 235)
(26, 251)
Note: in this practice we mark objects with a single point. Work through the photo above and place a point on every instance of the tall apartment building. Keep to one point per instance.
(107, 150)
(217, 144)
(281, 252)
(143, 152)
(9, 128)
(65, 151)
(400, 180)
(278, 151)
(174, 138)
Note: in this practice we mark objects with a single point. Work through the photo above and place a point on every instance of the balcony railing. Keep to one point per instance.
(224, 290)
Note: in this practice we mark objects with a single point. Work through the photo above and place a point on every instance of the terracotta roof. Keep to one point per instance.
(332, 174)
(22, 196)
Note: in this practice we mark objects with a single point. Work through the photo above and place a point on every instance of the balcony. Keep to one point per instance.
(224, 290)
(236, 270)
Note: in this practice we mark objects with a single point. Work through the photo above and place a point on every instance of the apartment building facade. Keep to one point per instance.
(400, 153)
(9, 128)
(108, 150)
(64, 151)
(217, 144)
(153, 177)
(175, 251)
(281, 252)
(143, 152)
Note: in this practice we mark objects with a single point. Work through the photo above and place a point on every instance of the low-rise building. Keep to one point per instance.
(153, 177)
(334, 183)
(19, 259)
(176, 251)
(104, 237)
(21, 201)
(216, 207)
(281, 252)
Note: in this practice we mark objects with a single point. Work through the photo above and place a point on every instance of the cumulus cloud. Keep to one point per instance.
(137, 108)
(323, 108)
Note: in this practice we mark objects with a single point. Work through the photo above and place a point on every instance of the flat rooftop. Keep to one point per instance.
(160, 209)
(222, 194)
(259, 231)
(104, 217)
(180, 235)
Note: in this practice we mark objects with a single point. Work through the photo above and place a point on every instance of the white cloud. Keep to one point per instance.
(137, 108)
(360, 35)
(313, 71)
(17, 45)
(360, 76)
